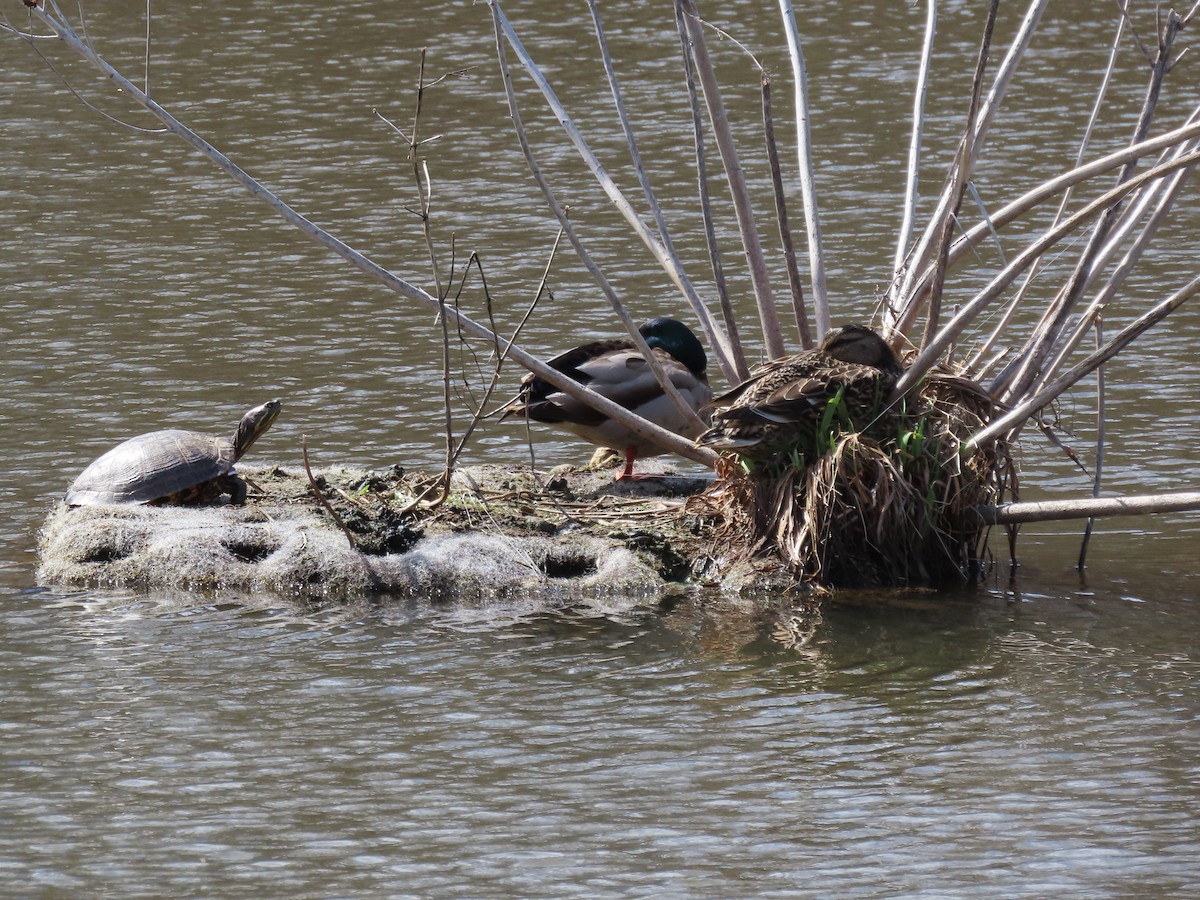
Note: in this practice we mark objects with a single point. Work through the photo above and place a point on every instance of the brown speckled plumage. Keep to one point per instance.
(780, 407)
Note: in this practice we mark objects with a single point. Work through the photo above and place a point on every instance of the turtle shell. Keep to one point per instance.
(167, 466)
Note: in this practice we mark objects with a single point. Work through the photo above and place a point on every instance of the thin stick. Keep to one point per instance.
(1101, 422)
(710, 231)
(664, 438)
(1052, 510)
(1041, 343)
(1164, 195)
(914, 146)
(904, 304)
(32, 40)
(320, 495)
(785, 230)
(1005, 73)
(635, 155)
(932, 353)
(959, 178)
(1085, 142)
(149, 18)
(447, 406)
(535, 170)
(671, 264)
(768, 314)
(808, 193)
(1032, 199)
(1028, 407)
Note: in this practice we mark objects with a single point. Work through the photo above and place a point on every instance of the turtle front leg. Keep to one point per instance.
(233, 486)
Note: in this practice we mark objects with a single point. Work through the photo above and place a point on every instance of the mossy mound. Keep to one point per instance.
(494, 533)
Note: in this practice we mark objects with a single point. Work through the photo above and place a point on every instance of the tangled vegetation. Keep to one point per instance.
(894, 504)
(906, 499)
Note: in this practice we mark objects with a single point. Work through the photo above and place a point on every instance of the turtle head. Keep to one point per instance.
(857, 344)
(254, 424)
(677, 339)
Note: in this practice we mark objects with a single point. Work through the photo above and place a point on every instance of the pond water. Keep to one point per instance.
(1032, 736)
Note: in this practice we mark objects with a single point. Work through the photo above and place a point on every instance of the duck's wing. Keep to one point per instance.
(799, 394)
(781, 391)
(615, 369)
(784, 402)
(623, 376)
(538, 399)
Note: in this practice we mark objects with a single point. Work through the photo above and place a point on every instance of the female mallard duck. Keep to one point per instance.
(616, 369)
(785, 405)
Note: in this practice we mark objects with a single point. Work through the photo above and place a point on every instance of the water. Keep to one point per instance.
(1028, 738)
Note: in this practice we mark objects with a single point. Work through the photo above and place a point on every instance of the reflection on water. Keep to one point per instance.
(927, 747)
(1033, 738)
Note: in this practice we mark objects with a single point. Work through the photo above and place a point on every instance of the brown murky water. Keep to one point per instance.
(1021, 739)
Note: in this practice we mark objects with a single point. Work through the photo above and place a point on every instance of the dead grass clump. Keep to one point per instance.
(875, 509)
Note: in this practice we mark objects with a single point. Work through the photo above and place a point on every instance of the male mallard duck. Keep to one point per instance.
(782, 405)
(617, 370)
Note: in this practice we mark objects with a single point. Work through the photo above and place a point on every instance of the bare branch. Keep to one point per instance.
(651, 201)
(666, 439)
(914, 146)
(610, 293)
(1097, 105)
(932, 353)
(812, 219)
(710, 231)
(1051, 510)
(1041, 342)
(767, 313)
(909, 287)
(785, 230)
(1018, 414)
(1030, 200)
(716, 337)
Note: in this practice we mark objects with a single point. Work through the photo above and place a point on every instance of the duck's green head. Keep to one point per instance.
(678, 340)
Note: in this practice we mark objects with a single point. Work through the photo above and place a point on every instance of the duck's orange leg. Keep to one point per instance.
(627, 472)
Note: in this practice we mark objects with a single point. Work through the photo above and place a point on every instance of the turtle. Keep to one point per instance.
(173, 466)
(616, 369)
(781, 406)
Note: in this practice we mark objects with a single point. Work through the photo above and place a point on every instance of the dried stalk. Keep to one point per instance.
(932, 353)
(710, 231)
(564, 222)
(1097, 105)
(1041, 342)
(1101, 426)
(1032, 199)
(767, 313)
(734, 346)
(812, 220)
(424, 185)
(1053, 510)
(907, 290)
(1022, 411)
(957, 182)
(914, 146)
(320, 495)
(1164, 196)
(149, 19)
(785, 230)
(666, 439)
(1005, 73)
(670, 263)
(478, 412)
